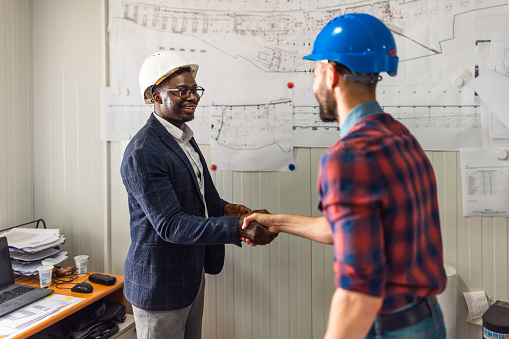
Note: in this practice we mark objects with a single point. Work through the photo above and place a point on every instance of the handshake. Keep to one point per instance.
(253, 232)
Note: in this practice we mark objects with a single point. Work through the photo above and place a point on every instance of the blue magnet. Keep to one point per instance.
(291, 167)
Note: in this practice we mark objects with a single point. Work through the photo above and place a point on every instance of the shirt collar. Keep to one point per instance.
(359, 112)
(183, 135)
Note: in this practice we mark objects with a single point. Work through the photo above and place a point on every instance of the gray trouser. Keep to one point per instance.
(184, 323)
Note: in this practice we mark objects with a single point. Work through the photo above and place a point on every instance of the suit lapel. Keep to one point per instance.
(173, 145)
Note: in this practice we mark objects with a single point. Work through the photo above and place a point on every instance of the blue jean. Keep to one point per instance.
(432, 327)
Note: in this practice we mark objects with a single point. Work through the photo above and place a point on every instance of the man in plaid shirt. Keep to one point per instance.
(377, 193)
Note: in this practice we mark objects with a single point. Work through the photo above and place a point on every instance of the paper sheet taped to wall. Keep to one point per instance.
(485, 182)
(493, 87)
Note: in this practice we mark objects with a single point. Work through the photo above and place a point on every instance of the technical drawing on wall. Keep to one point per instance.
(252, 137)
(259, 41)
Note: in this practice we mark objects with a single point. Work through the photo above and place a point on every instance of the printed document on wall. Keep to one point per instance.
(251, 135)
(485, 182)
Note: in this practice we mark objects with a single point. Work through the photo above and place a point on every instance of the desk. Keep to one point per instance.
(112, 293)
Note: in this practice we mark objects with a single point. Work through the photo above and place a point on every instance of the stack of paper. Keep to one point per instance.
(30, 246)
(28, 316)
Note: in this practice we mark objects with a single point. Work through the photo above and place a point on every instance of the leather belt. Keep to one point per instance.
(397, 320)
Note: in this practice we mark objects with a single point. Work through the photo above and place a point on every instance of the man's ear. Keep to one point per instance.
(157, 97)
(331, 76)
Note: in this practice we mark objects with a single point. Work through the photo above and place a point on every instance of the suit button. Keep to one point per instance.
(200, 212)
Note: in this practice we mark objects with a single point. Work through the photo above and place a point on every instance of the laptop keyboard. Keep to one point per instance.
(15, 292)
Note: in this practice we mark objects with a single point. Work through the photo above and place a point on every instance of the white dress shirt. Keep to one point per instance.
(183, 136)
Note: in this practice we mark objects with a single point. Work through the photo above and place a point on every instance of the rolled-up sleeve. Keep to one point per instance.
(350, 200)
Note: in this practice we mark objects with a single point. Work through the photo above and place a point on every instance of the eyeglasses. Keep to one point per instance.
(185, 92)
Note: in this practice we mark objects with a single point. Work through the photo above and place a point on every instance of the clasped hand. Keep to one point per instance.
(255, 233)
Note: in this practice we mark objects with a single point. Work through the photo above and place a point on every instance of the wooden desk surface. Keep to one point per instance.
(113, 293)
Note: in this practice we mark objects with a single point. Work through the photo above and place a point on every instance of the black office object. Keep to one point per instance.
(495, 320)
(98, 320)
(14, 296)
(28, 223)
(82, 288)
(102, 279)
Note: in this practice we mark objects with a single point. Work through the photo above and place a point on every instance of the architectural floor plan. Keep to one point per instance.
(248, 43)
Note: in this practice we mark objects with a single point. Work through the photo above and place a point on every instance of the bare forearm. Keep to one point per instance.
(316, 229)
(351, 315)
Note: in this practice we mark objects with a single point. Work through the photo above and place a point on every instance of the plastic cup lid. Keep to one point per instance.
(49, 262)
(81, 257)
(45, 268)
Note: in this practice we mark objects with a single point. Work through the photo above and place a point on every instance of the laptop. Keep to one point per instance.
(14, 296)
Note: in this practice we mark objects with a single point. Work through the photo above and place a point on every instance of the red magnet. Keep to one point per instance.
(289, 85)
(213, 167)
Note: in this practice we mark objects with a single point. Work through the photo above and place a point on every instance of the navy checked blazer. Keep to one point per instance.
(171, 240)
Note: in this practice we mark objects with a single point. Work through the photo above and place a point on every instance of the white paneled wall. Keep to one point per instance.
(68, 161)
(477, 247)
(283, 290)
(279, 290)
(16, 119)
(57, 170)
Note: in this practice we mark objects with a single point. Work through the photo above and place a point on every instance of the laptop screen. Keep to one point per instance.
(6, 274)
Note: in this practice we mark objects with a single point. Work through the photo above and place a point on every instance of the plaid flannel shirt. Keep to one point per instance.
(378, 192)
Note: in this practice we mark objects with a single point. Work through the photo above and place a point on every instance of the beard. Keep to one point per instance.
(328, 106)
(173, 113)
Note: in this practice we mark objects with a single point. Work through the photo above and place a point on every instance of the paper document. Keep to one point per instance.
(492, 87)
(31, 315)
(122, 115)
(485, 182)
(497, 128)
(30, 268)
(31, 240)
(477, 303)
(252, 135)
(29, 257)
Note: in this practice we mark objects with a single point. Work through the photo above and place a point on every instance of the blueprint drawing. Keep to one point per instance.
(247, 41)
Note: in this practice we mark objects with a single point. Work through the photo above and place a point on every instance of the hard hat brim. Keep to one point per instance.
(311, 57)
(147, 93)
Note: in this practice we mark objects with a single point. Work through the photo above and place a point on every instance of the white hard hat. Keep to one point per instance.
(158, 67)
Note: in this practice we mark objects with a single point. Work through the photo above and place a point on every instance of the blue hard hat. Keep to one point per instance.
(358, 41)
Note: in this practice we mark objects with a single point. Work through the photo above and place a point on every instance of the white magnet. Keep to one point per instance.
(458, 82)
(125, 92)
(501, 154)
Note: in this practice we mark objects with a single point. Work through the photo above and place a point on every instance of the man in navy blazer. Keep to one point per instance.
(178, 227)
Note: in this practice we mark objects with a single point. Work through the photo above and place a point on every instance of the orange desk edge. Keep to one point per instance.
(114, 293)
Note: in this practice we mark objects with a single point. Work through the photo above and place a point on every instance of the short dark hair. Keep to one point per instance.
(342, 69)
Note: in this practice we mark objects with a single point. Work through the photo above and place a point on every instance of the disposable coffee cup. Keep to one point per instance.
(45, 273)
(81, 264)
